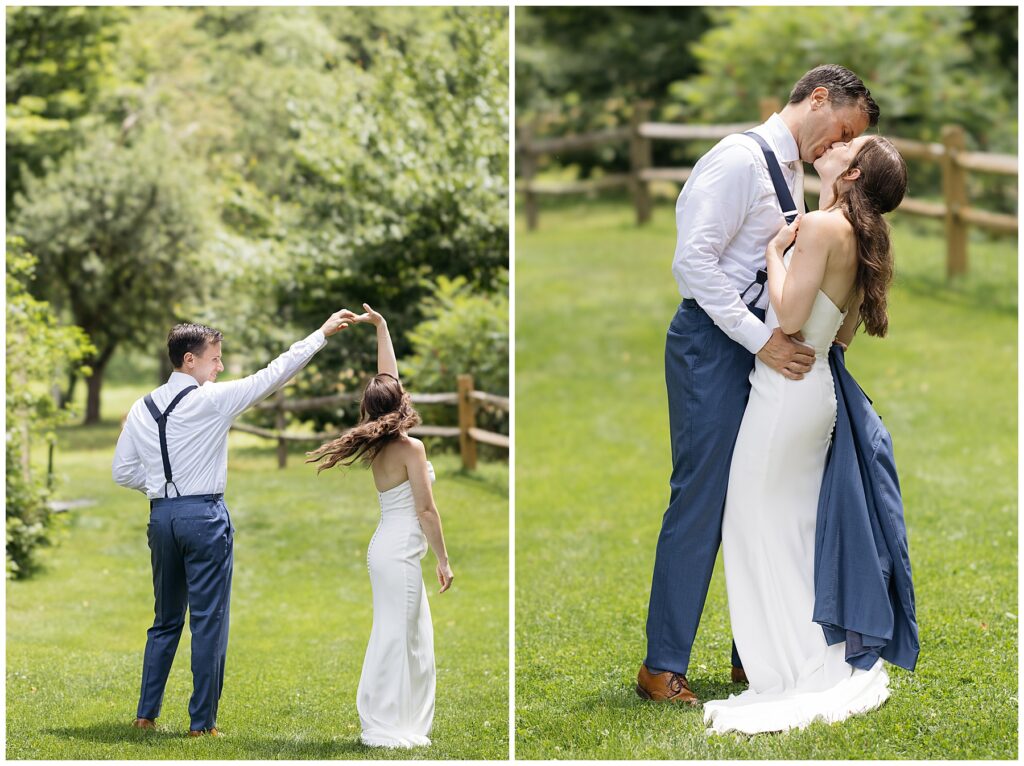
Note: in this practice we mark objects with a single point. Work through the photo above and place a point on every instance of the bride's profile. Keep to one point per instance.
(396, 688)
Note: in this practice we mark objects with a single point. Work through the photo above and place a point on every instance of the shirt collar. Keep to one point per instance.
(180, 380)
(780, 136)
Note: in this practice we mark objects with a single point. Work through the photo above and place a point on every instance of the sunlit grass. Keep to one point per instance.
(594, 295)
(300, 615)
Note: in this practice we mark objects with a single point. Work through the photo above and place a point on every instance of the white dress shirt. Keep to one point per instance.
(726, 215)
(197, 429)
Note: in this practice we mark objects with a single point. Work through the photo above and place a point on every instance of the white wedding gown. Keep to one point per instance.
(768, 549)
(396, 689)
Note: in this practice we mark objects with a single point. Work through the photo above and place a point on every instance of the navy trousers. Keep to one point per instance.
(707, 375)
(191, 540)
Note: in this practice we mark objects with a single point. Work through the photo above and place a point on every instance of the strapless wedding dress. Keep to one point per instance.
(396, 688)
(768, 549)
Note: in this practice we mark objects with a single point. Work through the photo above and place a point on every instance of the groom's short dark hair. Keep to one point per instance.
(844, 88)
(190, 338)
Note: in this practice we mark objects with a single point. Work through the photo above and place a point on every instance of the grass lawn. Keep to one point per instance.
(300, 615)
(594, 296)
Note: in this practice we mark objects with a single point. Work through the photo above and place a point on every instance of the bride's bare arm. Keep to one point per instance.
(386, 361)
(426, 510)
(792, 293)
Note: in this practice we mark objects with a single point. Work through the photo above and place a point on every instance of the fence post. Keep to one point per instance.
(467, 420)
(640, 158)
(279, 423)
(527, 171)
(954, 189)
(768, 107)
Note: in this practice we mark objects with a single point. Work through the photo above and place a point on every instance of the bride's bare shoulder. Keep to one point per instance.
(830, 232)
(825, 223)
(408, 449)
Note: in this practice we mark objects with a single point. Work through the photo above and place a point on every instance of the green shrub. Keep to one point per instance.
(28, 517)
(464, 332)
(38, 352)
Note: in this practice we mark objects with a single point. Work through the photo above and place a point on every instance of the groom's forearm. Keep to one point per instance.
(233, 398)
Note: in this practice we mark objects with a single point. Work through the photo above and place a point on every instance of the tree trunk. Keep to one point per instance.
(92, 400)
(69, 393)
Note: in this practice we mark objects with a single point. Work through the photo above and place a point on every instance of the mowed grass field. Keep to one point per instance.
(300, 615)
(594, 296)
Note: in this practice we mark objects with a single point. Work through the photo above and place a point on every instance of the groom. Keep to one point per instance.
(726, 214)
(174, 447)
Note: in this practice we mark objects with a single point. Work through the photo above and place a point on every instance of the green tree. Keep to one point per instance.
(463, 332)
(402, 178)
(337, 155)
(585, 58)
(581, 69)
(38, 351)
(115, 227)
(946, 80)
(59, 61)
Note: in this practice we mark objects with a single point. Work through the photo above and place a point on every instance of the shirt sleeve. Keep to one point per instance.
(712, 214)
(233, 398)
(128, 470)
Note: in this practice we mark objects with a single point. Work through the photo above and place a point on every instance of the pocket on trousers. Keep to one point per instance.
(687, 343)
(204, 537)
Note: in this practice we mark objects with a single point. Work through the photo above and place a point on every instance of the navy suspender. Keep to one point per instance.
(789, 209)
(161, 422)
(778, 180)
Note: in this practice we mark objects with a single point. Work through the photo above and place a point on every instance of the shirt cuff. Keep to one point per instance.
(754, 334)
(317, 338)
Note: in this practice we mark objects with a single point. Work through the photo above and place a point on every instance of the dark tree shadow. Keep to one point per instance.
(252, 748)
(626, 698)
(115, 733)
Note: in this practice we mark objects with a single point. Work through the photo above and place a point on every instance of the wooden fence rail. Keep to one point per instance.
(954, 160)
(466, 398)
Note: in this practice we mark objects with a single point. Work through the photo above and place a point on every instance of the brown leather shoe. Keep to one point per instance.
(664, 687)
(739, 676)
(144, 723)
(200, 732)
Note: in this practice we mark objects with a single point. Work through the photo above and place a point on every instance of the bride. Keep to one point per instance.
(396, 689)
(835, 279)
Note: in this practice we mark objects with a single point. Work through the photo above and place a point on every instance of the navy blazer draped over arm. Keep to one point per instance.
(863, 592)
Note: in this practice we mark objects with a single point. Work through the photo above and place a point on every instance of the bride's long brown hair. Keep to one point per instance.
(878, 190)
(384, 413)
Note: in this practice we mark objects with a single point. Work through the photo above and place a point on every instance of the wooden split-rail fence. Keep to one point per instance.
(466, 399)
(951, 154)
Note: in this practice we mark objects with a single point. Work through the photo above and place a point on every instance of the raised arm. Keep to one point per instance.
(234, 397)
(386, 361)
(426, 511)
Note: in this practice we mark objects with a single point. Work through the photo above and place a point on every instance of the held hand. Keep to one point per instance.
(786, 235)
(372, 316)
(786, 356)
(444, 576)
(337, 321)
(368, 317)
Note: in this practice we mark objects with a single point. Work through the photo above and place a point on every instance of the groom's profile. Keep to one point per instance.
(174, 448)
(726, 214)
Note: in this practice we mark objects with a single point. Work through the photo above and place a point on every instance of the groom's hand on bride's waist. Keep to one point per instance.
(787, 355)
